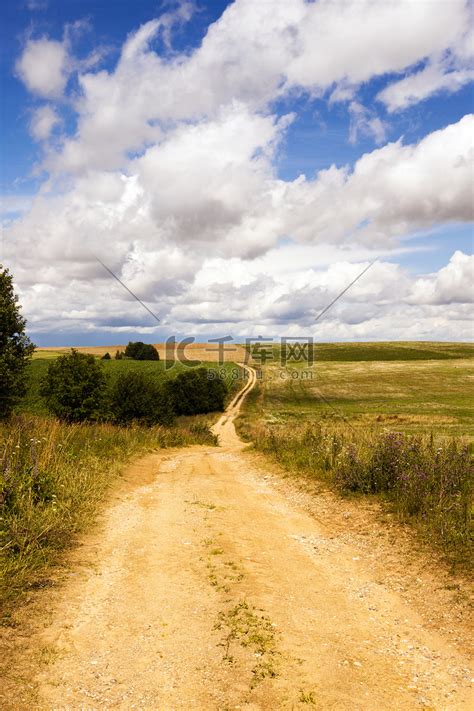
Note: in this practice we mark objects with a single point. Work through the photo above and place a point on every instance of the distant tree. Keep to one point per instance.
(136, 396)
(196, 391)
(118, 355)
(106, 356)
(75, 387)
(15, 346)
(141, 351)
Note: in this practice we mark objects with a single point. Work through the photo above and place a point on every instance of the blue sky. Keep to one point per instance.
(240, 159)
(49, 18)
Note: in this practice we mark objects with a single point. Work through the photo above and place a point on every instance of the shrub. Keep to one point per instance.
(118, 355)
(15, 347)
(106, 356)
(141, 351)
(135, 396)
(351, 472)
(197, 391)
(74, 387)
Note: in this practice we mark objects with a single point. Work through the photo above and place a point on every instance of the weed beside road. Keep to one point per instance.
(398, 429)
(428, 483)
(53, 477)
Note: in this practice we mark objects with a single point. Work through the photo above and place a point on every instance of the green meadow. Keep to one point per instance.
(416, 388)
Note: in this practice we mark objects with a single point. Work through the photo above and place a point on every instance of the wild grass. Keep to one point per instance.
(53, 477)
(247, 626)
(428, 483)
(399, 430)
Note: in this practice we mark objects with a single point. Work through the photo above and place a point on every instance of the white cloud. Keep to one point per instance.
(423, 84)
(453, 284)
(209, 190)
(379, 305)
(43, 67)
(37, 4)
(12, 206)
(43, 121)
(214, 183)
(254, 53)
(171, 177)
(447, 70)
(366, 123)
(390, 192)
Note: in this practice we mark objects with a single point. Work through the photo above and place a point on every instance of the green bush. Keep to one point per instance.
(75, 387)
(135, 396)
(433, 483)
(106, 356)
(197, 391)
(141, 351)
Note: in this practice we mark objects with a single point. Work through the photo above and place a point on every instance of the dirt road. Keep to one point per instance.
(209, 587)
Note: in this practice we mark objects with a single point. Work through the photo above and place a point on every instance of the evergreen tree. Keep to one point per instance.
(15, 346)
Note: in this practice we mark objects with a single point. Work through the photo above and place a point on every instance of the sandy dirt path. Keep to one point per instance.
(209, 588)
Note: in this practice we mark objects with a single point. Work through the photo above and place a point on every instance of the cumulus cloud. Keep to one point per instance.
(248, 301)
(297, 46)
(445, 71)
(209, 190)
(43, 67)
(170, 178)
(453, 284)
(391, 191)
(43, 121)
(414, 88)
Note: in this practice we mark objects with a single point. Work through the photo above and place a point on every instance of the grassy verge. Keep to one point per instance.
(398, 430)
(52, 479)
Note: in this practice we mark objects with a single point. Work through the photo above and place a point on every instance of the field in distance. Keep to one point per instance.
(383, 351)
(206, 352)
(411, 387)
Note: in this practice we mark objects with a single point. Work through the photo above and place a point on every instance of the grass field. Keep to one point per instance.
(388, 351)
(205, 352)
(395, 426)
(334, 421)
(410, 394)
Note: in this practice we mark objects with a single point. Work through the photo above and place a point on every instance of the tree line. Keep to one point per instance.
(77, 389)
